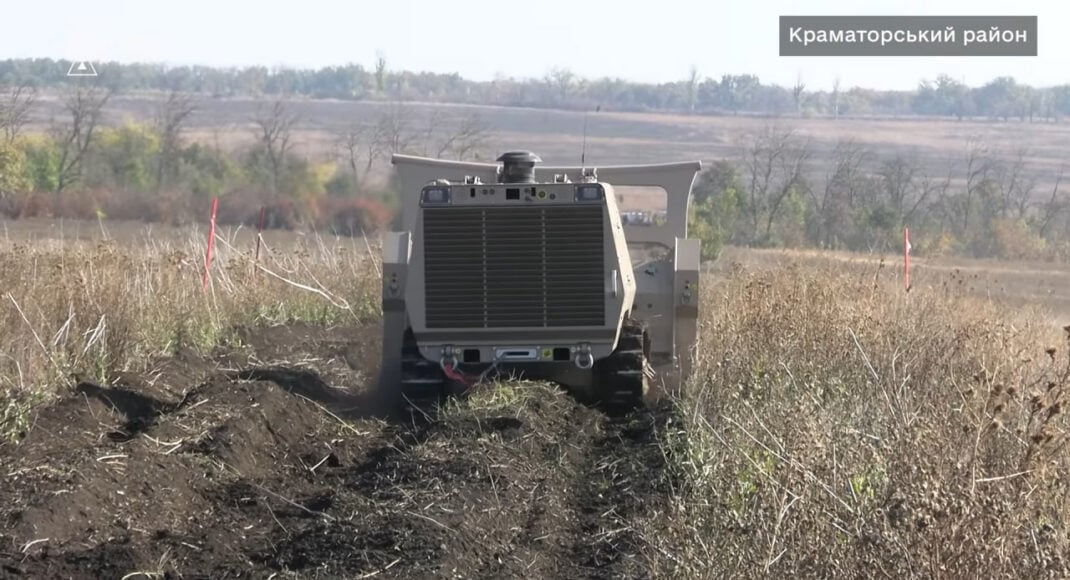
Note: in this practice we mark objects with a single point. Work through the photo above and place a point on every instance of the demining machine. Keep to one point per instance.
(523, 270)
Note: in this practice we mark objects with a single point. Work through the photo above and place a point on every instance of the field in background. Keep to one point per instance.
(1044, 287)
(620, 138)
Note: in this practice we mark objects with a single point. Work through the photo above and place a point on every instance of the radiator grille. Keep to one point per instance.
(494, 267)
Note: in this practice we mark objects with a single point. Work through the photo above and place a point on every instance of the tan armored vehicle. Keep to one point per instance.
(521, 270)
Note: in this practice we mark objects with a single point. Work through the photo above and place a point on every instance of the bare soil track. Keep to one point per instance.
(259, 461)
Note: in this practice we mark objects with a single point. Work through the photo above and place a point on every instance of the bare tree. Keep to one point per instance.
(775, 162)
(907, 188)
(468, 138)
(797, 92)
(842, 186)
(792, 177)
(15, 110)
(169, 120)
(380, 71)
(1055, 206)
(437, 123)
(561, 80)
(274, 132)
(1017, 184)
(84, 104)
(394, 132)
(979, 164)
(692, 88)
(836, 98)
(349, 143)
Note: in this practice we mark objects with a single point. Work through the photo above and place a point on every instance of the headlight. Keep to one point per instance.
(589, 193)
(436, 195)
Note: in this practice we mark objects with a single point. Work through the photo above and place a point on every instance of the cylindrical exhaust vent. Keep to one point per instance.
(518, 167)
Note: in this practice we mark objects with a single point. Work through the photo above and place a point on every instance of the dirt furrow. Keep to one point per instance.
(271, 469)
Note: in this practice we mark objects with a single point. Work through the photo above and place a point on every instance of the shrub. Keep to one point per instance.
(14, 177)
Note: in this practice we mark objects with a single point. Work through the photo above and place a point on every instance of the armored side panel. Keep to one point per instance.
(397, 247)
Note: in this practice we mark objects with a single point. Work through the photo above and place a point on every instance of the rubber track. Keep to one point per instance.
(423, 383)
(621, 381)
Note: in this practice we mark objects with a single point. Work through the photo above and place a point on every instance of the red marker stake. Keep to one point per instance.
(211, 239)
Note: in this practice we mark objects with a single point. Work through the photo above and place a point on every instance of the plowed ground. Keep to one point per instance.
(276, 459)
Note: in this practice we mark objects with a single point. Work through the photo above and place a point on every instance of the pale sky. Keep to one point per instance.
(641, 41)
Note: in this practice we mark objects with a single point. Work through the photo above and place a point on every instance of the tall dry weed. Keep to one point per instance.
(839, 427)
(87, 310)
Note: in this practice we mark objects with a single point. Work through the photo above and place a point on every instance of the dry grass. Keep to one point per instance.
(1012, 284)
(836, 426)
(95, 304)
(839, 427)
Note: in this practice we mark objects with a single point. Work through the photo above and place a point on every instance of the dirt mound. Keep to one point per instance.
(268, 461)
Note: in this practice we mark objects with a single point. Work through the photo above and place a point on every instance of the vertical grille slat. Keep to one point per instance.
(496, 267)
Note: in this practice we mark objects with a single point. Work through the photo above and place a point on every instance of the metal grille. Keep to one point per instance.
(495, 267)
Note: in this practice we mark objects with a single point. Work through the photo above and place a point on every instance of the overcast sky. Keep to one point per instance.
(643, 41)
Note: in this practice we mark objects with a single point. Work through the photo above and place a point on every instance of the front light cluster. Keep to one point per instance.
(589, 193)
(436, 195)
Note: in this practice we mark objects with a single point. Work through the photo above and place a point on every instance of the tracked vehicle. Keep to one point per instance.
(529, 271)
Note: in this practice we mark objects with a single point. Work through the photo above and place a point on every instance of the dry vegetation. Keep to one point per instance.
(87, 309)
(836, 427)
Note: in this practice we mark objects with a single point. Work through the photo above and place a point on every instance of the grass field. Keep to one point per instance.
(1040, 287)
(836, 425)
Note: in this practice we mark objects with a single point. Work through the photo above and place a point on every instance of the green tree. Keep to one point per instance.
(42, 163)
(1002, 98)
(206, 171)
(702, 226)
(1060, 99)
(715, 207)
(13, 170)
(129, 157)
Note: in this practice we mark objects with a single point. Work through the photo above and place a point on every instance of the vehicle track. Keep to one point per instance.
(270, 469)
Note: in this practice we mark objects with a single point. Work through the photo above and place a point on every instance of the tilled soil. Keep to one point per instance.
(276, 460)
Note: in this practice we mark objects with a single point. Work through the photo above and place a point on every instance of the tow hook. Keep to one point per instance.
(584, 358)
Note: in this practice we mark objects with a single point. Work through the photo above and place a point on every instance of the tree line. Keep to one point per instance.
(1001, 99)
(80, 167)
(774, 191)
(987, 202)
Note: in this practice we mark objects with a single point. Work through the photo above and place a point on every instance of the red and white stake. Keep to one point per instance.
(906, 259)
(211, 239)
